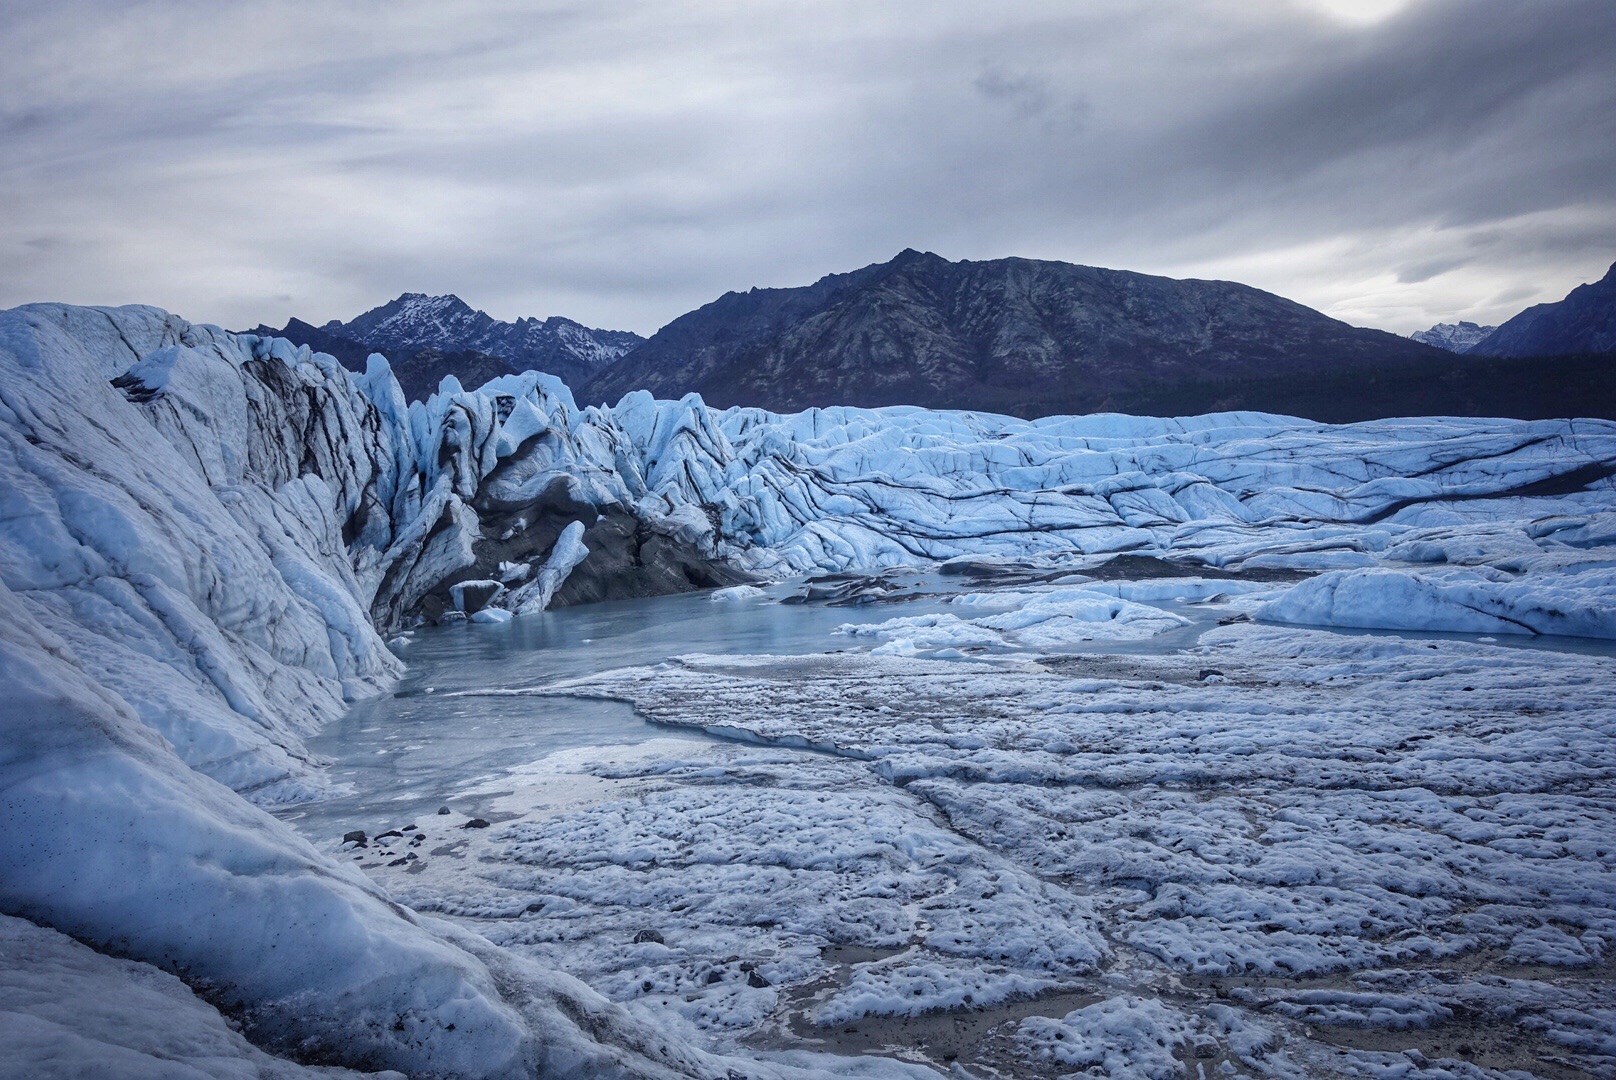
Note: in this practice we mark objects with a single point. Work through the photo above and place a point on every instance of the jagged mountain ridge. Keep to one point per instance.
(418, 321)
(427, 337)
(1584, 322)
(1019, 336)
(1459, 337)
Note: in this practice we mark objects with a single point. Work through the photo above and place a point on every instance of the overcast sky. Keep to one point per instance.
(1391, 162)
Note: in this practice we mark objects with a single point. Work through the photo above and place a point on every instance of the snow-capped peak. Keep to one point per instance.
(1455, 337)
(414, 322)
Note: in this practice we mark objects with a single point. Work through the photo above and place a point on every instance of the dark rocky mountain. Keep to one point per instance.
(428, 337)
(1584, 322)
(1459, 337)
(1010, 335)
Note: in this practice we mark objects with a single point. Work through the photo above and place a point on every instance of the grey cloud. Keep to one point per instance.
(1514, 295)
(1032, 96)
(1425, 271)
(1027, 95)
(622, 164)
(1438, 82)
(22, 122)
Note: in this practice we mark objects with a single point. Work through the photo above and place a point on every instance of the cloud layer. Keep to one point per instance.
(1392, 162)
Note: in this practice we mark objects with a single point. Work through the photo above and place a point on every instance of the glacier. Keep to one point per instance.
(1286, 842)
(206, 537)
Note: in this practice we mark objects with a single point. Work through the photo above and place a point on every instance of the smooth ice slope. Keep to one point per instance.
(67, 1012)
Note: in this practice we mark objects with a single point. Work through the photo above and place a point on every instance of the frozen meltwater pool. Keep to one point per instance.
(435, 737)
(404, 754)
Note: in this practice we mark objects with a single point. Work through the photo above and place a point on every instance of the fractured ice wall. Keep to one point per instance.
(167, 531)
(196, 531)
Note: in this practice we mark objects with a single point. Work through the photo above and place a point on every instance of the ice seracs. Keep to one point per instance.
(194, 561)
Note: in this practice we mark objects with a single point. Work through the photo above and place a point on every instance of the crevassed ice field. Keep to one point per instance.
(1234, 745)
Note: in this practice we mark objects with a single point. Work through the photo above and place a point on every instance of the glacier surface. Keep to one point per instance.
(204, 536)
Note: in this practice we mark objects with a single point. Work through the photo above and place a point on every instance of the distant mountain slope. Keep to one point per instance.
(1584, 322)
(1459, 337)
(417, 321)
(1010, 335)
(428, 337)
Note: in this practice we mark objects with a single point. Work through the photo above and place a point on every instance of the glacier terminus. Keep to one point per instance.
(489, 735)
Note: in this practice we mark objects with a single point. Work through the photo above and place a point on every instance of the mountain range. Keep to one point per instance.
(1018, 336)
(1584, 322)
(428, 337)
(1459, 337)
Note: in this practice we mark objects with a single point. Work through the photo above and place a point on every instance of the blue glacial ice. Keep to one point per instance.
(204, 537)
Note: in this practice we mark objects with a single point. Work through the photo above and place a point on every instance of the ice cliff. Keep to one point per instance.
(204, 536)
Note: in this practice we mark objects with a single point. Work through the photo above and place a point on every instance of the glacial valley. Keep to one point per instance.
(492, 736)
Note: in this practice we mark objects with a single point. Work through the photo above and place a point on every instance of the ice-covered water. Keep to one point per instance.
(435, 736)
(443, 731)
